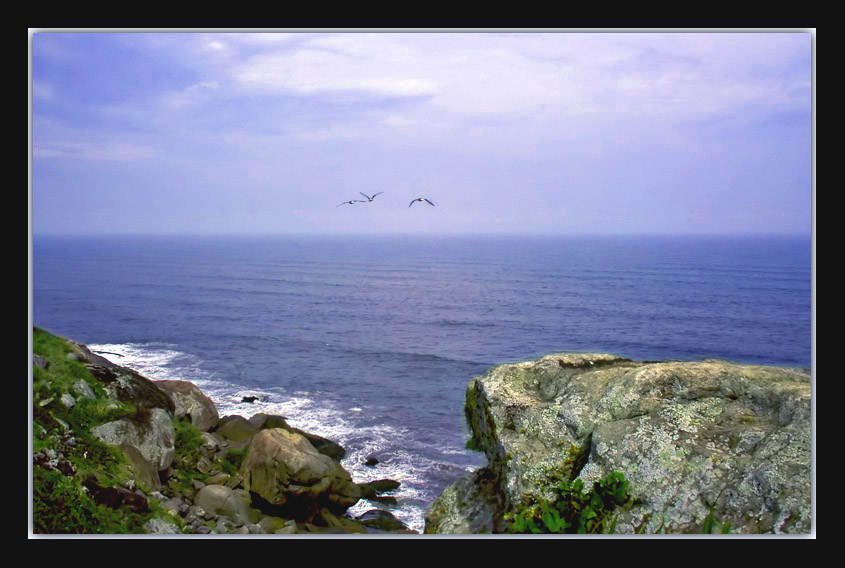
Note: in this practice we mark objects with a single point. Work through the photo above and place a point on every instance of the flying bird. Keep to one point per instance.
(421, 199)
(373, 196)
(352, 202)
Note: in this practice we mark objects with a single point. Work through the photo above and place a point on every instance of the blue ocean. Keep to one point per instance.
(371, 341)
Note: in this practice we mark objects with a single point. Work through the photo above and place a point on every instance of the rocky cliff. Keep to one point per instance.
(705, 446)
(115, 452)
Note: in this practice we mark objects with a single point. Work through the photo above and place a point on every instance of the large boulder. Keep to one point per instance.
(236, 428)
(191, 403)
(146, 474)
(150, 431)
(231, 503)
(698, 442)
(284, 470)
(322, 445)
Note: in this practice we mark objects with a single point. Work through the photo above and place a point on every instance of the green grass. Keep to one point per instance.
(187, 454)
(231, 462)
(60, 503)
(63, 372)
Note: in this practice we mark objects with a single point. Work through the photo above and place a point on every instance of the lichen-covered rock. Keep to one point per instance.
(468, 506)
(283, 468)
(695, 439)
(151, 432)
(325, 446)
(190, 402)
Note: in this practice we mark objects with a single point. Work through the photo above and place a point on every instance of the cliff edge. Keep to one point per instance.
(704, 446)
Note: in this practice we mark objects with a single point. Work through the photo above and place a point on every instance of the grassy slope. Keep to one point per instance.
(60, 501)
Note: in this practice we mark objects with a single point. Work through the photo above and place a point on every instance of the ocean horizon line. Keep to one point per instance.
(311, 234)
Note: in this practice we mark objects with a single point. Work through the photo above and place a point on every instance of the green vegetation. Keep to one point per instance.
(60, 501)
(572, 510)
(61, 505)
(187, 454)
(68, 430)
(712, 526)
(70, 464)
(231, 462)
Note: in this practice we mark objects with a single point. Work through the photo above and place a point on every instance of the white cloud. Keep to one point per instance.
(569, 74)
(215, 45)
(319, 70)
(190, 95)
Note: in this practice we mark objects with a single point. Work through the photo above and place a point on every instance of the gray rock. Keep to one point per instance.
(83, 389)
(146, 474)
(470, 505)
(381, 520)
(225, 525)
(691, 438)
(236, 428)
(157, 525)
(151, 432)
(191, 403)
(270, 524)
(225, 502)
(211, 444)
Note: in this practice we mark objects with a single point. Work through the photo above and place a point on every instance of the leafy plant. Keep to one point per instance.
(574, 511)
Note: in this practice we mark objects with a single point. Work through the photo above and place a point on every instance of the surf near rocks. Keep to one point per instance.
(158, 454)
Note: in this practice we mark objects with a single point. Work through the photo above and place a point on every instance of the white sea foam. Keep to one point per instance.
(312, 412)
(151, 361)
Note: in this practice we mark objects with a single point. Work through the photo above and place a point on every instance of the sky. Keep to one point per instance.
(505, 132)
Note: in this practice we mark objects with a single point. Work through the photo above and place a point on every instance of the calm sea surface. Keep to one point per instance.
(371, 341)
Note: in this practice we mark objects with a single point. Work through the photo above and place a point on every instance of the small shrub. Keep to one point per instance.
(572, 511)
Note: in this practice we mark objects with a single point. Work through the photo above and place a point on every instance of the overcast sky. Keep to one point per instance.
(573, 133)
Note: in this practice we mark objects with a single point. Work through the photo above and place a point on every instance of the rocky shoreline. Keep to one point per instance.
(188, 469)
(706, 446)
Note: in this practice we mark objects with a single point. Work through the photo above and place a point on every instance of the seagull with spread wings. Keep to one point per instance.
(370, 198)
(421, 199)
